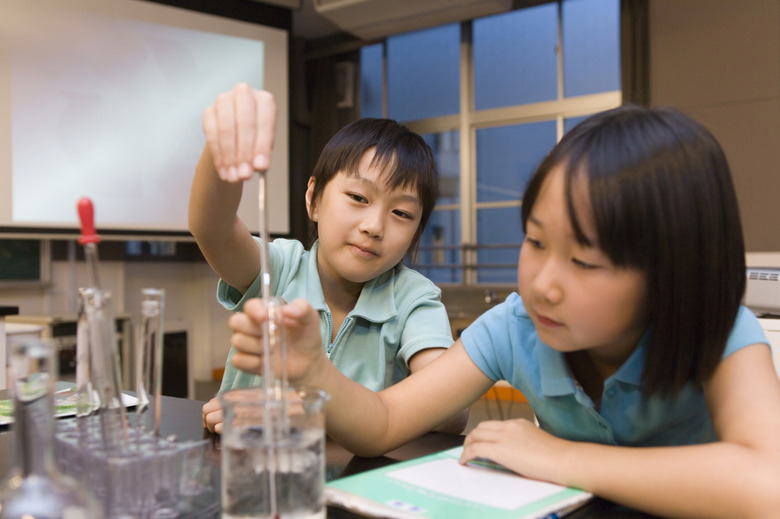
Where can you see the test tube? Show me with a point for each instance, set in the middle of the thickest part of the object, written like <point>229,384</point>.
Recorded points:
<point>149,361</point>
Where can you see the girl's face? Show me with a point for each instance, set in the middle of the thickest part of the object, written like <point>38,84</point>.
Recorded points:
<point>577,299</point>
<point>364,229</point>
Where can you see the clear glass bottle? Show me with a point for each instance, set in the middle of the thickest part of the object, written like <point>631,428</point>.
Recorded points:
<point>35,488</point>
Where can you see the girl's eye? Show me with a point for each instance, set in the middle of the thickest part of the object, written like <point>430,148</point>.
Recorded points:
<point>583,265</point>
<point>536,244</point>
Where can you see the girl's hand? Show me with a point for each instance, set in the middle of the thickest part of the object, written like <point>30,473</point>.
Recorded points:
<point>518,445</point>
<point>239,129</point>
<point>212,415</point>
<point>302,334</point>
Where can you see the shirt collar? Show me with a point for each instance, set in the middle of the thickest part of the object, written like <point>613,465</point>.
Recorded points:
<point>557,380</point>
<point>631,370</point>
<point>314,294</point>
<point>377,299</point>
<point>376,302</point>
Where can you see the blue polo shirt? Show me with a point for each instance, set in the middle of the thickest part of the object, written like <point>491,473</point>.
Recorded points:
<point>398,314</point>
<point>504,344</point>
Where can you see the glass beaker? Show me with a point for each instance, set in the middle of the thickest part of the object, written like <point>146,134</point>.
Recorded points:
<point>273,453</point>
<point>36,487</point>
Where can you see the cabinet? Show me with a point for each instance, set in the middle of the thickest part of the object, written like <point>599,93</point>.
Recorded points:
<point>5,311</point>
<point>62,330</point>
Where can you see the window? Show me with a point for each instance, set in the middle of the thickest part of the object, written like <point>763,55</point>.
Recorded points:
<point>491,97</point>
<point>422,73</point>
<point>514,57</point>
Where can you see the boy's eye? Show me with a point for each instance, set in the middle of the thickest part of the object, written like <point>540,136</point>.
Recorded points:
<point>403,214</point>
<point>356,197</point>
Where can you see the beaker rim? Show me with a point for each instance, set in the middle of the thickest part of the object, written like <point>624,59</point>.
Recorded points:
<point>259,394</point>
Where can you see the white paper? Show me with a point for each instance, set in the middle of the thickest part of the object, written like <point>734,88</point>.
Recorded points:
<point>481,485</point>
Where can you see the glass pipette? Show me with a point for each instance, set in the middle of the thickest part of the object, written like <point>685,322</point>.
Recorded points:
<point>104,360</point>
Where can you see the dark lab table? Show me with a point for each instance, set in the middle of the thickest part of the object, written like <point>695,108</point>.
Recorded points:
<point>182,417</point>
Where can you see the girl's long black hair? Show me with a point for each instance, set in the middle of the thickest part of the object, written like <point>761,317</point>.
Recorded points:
<point>663,202</point>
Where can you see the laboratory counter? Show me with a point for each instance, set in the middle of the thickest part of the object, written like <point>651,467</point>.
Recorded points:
<point>182,417</point>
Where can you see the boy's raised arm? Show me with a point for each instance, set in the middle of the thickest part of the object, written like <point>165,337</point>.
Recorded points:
<point>222,237</point>
<point>239,128</point>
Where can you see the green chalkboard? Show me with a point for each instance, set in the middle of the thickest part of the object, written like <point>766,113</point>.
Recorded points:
<point>20,261</point>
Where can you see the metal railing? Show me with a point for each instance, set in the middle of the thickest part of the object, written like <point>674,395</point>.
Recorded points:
<point>468,251</point>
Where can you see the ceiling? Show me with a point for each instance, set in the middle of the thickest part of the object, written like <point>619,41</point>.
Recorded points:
<point>309,25</point>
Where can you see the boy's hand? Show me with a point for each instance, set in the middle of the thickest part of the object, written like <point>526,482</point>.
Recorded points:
<point>239,129</point>
<point>302,335</point>
<point>212,415</point>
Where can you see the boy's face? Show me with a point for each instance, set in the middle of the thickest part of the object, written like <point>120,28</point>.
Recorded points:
<point>576,297</point>
<point>364,229</point>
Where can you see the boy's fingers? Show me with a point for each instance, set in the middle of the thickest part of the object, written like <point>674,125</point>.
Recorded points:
<point>210,131</point>
<point>240,128</point>
<point>246,128</point>
<point>265,113</point>
<point>211,406</point>
<point>226,130</point>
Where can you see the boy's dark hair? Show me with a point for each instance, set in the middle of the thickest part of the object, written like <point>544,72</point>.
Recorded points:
<point>663,202</point>
<point>405,157</point>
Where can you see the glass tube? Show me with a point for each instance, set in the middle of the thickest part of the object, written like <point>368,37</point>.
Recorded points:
<point>149,360</point>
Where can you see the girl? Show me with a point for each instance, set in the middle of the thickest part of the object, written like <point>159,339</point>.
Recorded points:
<point>370,195</point>
<point>652,386</point>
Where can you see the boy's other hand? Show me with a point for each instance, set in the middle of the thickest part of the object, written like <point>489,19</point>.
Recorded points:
<point>239,128</point>
<point>212,415</point>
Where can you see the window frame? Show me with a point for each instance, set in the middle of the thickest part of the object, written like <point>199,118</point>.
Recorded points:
<point>469,120</point>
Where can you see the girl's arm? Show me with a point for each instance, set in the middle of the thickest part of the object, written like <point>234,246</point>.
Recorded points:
<point>365,422</point>
<point>737,476</point>
<point>239,128</point>
<point>455,424</point>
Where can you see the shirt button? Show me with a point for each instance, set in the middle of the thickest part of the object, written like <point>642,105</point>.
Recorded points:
<point>611,392</point>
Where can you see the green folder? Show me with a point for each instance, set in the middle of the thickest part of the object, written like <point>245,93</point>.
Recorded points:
<point>438,487</point>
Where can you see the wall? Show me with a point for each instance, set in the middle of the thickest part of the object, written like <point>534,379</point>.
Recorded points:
<point>719,62</point>
<point>190,301</point>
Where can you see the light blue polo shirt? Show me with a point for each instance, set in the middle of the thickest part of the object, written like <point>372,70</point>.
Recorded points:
<point>504,344</point>
<point>398,314</point>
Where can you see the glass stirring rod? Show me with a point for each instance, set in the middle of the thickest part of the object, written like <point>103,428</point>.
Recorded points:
<point>273,341</point>
<point>275,416</point>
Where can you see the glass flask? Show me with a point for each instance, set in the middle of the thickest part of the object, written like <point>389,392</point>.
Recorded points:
<point>35,488</point>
